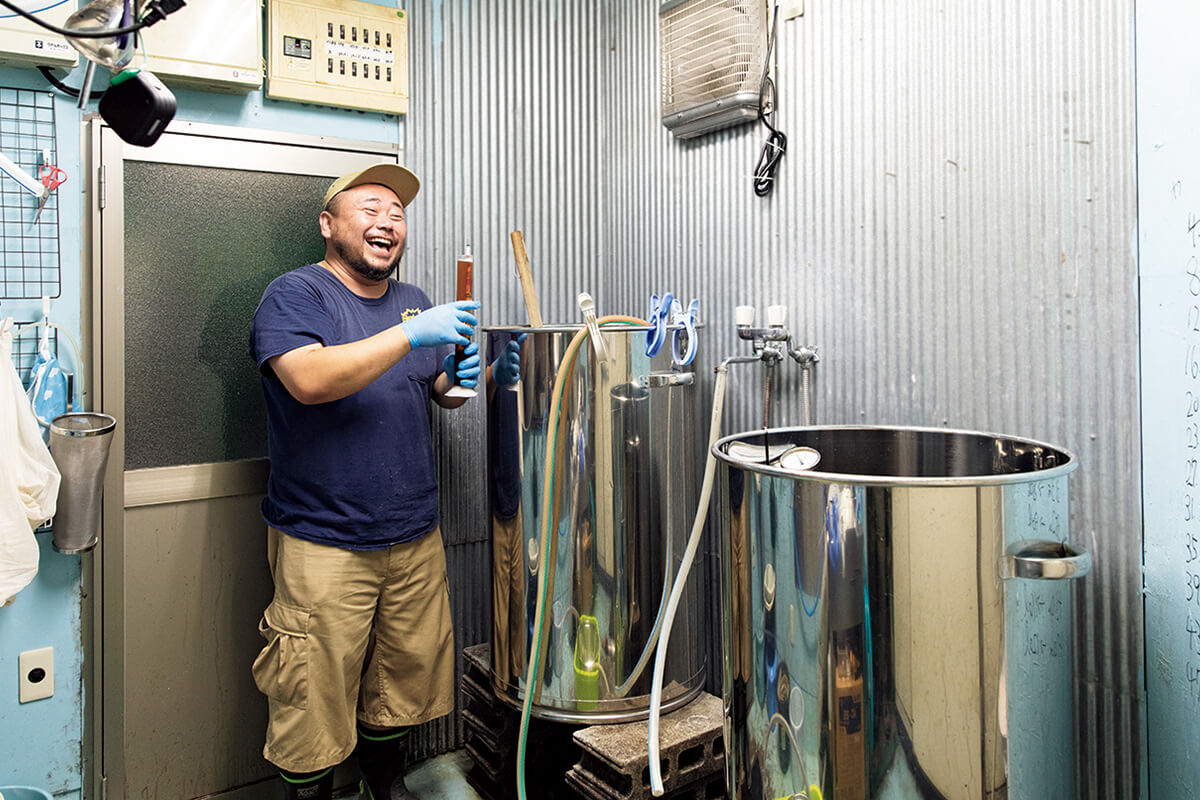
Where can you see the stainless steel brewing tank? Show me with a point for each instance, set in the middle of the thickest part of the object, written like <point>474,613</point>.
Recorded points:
<point>895,623</point>
<point>624,488</point>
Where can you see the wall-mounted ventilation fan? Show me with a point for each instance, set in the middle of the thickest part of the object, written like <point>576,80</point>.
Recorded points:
<point>712,56</point>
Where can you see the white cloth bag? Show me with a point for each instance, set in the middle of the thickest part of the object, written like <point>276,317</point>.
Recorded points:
<point>28,478</point>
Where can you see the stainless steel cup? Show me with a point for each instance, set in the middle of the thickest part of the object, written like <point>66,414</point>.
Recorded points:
<point>79,443</point>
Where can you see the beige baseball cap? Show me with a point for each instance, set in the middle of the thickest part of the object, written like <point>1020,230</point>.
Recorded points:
<point>393,176</point>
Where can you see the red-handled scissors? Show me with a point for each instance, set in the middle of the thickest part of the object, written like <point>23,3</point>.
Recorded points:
<point>52,177</point>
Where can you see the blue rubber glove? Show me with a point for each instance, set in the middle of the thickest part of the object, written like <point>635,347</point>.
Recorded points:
<point>506,369</point>
<point>468,371</point>
<point>449,323</point>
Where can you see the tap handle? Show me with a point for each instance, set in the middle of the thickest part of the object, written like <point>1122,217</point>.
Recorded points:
<point>743,316</point>
<point>776,316</point>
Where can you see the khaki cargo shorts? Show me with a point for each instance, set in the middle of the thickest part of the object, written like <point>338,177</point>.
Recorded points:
<point>352,633</point>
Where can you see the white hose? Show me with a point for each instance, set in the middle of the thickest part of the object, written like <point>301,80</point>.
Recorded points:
<point>660,658</point>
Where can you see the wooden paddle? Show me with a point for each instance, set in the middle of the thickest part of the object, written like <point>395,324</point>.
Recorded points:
<point>526,276</point>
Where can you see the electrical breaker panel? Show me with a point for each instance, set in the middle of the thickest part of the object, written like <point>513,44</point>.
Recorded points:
<point>210,44</point>
<point>22,43</point>
<point>345,53</point>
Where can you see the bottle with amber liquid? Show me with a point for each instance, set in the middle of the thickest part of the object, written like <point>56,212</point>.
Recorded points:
<point>464,290</point>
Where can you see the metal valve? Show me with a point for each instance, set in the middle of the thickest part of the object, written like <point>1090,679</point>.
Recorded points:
<point>771,345</point>
<point>806,355</point>
<point>774,335</point>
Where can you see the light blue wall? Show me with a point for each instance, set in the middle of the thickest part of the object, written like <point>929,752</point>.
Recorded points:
<point>1169,262</point>
<point>40,742</point>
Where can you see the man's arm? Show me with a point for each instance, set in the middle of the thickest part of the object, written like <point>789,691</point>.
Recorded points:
<point>318,373</point>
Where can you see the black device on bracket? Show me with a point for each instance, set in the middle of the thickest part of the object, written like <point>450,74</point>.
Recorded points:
<point>137,106</point>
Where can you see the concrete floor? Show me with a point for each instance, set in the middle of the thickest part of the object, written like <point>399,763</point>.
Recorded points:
<point>440,778</point>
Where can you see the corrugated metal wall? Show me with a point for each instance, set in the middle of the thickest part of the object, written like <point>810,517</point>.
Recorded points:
<point>953,226</point>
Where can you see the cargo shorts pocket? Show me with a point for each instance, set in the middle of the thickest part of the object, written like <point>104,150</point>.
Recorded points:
<point>281,669</point>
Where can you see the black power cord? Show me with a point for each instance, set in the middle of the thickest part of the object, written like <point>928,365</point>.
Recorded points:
<point>62,87</point>
<point>776,144</point>
<point>156,10</point>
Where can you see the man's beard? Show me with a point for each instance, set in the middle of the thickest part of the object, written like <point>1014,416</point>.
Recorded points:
<point>359,265</point>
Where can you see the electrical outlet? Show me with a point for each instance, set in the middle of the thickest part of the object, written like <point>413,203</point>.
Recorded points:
<point>790,9</point>
<point>37,674</point>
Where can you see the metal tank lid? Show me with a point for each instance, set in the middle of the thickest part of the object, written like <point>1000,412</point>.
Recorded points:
<point>905,456</point>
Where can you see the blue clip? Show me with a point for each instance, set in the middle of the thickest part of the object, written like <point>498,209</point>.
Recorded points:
<point>660,310</point>
<point>687,327</point>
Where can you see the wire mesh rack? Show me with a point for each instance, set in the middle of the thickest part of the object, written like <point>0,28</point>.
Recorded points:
<point>31,256</point>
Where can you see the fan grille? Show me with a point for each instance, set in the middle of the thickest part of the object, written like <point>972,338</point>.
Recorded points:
<point>710,49</point>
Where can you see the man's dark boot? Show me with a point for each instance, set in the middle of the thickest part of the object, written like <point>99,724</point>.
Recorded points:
<point>383,758</point>
<point>307,785</point>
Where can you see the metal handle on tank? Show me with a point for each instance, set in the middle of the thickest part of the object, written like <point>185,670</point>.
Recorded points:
<point>1040,559</point>
<point>656,380</point>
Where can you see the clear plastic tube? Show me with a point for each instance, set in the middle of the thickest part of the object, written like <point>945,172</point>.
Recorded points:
<point>464,281</point>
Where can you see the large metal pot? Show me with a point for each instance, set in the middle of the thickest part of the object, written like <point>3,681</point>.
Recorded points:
<point>895,620</point>
<point>623,494</point>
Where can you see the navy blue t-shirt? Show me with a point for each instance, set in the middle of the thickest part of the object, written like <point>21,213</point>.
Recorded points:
<point>358,472</point>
